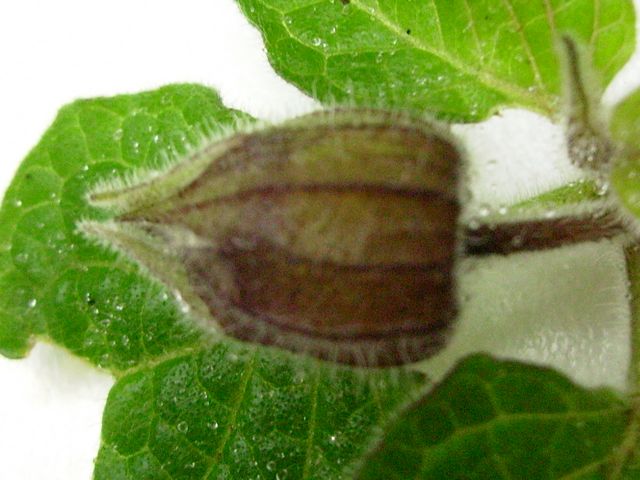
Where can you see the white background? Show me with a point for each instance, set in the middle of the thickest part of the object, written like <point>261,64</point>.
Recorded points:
<point>54,52</point>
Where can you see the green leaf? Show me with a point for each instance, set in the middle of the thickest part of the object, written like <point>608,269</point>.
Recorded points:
<point>492,419</point>
<point>57,285</point>
<point>231,412</point>
<point>183,407</point>
<point>625,180</point>
<point>460,60</point>
<point>625,174</point>
<point>625,122</point>
<point>574,193</point>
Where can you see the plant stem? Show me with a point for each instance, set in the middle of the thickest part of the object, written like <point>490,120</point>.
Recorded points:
<point>541,234</point>
<point>589,147</point>
<point>632,255</point>
<point>628,448</point>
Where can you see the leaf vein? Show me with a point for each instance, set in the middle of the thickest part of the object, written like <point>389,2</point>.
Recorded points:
<point>312,425</point>
<point>525,43</point>
<point>538,97</point>
<point>235,408</point>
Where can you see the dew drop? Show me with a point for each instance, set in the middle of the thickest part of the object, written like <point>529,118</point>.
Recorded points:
<point>32,303</point>
<point>213,425</point>
<point>474,224</point>
<point>232,357</point>
<point>184,306</point>
<point>22,258</point>
<point>484,210</point>
<point>271,465</point>
<point>316,41</point>
<point>17,203</point>
<point>117,135</point>
<point>603,189</point>
<point>299,378</point>
<point>183,427</point>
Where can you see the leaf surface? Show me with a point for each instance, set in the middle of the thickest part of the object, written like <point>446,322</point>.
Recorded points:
<point>625,173</point>
<point>229,412</point>
<point>56,284</point>
<point>625,121</point>
<point>494,419</point>
<point>457,59</point>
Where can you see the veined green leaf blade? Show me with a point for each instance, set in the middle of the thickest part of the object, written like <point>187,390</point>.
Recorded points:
<point>235,412</point>
<point>56,284</point>
<point>459,60</point>
<point>625,122</point>
<point>496,419</point>
<point>625,173</point>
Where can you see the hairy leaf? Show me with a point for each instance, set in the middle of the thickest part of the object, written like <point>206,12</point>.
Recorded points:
<point>625,122</point>
<point>228,413</point>
<point>459,60</point>
<point>56,284</point>
<point>625,174</point>
<point>492,419</point>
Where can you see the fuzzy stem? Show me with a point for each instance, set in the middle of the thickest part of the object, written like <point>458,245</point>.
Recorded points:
<point>540,234</point>
<point>628,448</point>
<point>632,254</point>
<point>588,146</point>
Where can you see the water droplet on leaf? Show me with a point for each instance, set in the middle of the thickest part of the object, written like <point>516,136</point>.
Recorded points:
<point>183,427</point>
